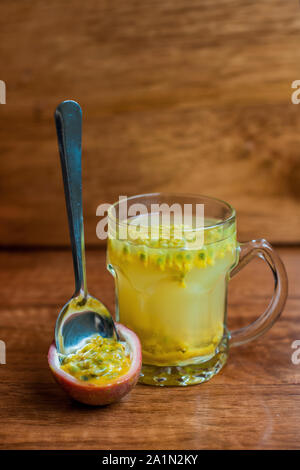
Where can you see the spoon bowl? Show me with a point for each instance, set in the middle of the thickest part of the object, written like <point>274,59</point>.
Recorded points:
<point>83,316</point>
<point>80,319</point>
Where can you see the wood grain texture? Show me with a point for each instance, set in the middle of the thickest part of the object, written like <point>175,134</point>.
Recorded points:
<point>177,96</point>
<point>253,403</point>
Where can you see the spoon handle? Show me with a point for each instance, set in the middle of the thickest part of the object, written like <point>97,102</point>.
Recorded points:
<point>68,119</point>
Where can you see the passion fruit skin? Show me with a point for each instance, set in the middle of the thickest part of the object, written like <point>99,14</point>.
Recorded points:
<point>100,395</point>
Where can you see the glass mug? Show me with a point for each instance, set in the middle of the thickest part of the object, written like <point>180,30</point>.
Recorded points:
<point>173,292</point>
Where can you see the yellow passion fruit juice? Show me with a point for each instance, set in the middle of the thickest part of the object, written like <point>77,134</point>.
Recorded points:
<point>173,293</point>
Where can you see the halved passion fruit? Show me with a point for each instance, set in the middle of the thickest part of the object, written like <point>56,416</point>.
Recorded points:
<point>91,390</point>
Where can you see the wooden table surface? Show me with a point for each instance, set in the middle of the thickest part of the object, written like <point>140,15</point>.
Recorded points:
<point>253,403</point>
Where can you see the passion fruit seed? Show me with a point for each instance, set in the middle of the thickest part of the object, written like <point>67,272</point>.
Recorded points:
<point>174,255</point>
<point>111,355</point>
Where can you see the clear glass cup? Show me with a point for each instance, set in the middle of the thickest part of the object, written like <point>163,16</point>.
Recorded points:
<point>173,292</point>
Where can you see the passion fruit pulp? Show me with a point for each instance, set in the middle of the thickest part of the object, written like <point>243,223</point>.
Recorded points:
<point>105,393</point>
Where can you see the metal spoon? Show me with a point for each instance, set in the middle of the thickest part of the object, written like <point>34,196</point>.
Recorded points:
<point>83,316</point>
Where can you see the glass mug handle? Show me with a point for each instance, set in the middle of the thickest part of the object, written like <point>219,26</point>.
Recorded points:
<point>261,249</point>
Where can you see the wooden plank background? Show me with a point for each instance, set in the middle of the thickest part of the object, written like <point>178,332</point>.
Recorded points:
<point>177,96</point>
